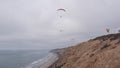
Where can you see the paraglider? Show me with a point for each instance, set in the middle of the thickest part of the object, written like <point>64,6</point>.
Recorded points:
<point>61,10</point>
<point>60,13</point>
<point>107,30</point>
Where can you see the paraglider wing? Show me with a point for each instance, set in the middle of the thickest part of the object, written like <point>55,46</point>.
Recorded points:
<point>61,10</point>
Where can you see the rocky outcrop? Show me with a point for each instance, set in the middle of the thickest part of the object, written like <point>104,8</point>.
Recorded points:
<point>101,52</point>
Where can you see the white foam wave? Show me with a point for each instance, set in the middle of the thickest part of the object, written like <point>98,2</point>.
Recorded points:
<point>43,63</point>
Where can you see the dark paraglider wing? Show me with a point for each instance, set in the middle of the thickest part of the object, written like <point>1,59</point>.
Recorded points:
<point>61,10</point>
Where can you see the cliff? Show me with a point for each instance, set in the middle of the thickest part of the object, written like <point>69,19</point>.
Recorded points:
<point>101,52</point>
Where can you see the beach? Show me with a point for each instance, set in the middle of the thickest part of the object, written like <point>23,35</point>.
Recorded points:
<point>44,62</point>
<point>51,59</point>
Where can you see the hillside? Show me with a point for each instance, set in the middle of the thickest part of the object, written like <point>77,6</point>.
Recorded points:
<point>101,52</point>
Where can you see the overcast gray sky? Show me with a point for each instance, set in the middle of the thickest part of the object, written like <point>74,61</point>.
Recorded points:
<point>35,24</point>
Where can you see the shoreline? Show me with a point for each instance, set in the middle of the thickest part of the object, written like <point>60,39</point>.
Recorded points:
<point>50,61</point>
<point>45,62</point>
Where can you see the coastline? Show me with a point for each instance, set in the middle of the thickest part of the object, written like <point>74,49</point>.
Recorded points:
<point>50,61</point>
<point>56,54</point>
<point>45,62</point>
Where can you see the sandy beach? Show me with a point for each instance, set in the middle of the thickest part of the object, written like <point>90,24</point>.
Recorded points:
<point>50,61</point>
<point>45,62</point>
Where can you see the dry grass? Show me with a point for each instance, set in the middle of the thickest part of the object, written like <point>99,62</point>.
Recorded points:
<point>101,52</point>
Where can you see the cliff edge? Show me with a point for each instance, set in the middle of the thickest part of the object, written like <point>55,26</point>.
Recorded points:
<point>101,52</point>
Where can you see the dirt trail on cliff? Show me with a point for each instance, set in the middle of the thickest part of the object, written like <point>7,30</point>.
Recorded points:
<point>101,52</point>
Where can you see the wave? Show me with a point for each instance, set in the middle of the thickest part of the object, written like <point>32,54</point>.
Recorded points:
<point>44,62</point>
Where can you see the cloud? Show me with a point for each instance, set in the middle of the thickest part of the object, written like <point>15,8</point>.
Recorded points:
<point>37,24</point>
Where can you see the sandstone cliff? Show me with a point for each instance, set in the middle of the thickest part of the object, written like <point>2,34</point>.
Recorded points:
<point>101,52</point>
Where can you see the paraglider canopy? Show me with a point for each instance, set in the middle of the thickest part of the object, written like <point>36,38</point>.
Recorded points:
<point>61,9</point>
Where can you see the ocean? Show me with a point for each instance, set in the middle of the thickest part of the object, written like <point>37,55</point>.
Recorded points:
<point>20,58</point>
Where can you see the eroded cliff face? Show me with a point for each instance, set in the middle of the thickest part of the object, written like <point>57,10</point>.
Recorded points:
<point>101,52</point>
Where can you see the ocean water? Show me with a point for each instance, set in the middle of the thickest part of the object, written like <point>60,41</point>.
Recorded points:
<point>20,58</point>
<point>44,62</point>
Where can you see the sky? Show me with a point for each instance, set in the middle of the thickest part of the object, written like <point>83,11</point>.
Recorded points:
<point>36,24</point>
